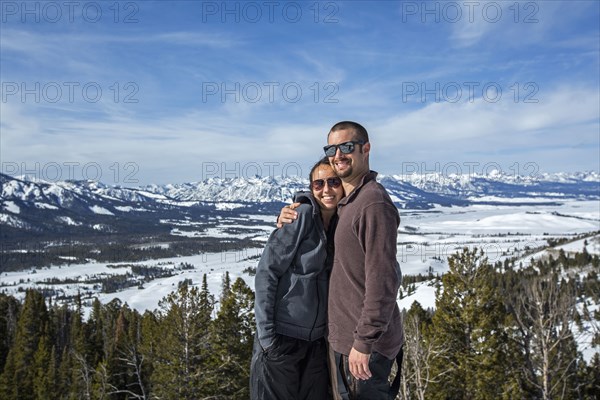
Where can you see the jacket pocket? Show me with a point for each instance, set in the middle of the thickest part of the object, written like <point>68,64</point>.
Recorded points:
<point>282,347</point>
<point>299,305</point>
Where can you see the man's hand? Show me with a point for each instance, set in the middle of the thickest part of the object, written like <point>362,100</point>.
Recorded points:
<point>287,215</point>
<point>359,364</point>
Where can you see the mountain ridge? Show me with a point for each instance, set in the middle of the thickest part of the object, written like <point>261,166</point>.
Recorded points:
<point>83,207</point>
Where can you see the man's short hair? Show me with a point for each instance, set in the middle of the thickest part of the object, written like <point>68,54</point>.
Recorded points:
<point>359,130</point>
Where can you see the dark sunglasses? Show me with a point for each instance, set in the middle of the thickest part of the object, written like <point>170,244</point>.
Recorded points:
<point>319,184</point>
<point>345,148</point>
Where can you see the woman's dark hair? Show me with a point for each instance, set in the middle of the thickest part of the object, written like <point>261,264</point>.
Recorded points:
<point>322,161</point>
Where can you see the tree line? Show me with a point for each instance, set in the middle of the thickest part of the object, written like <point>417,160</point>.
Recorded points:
<point>16,256</point>
<point>191,347</point>
<point>497,332</point>
<point>504,333</point>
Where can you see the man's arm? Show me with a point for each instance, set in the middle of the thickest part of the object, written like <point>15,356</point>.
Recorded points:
<point>377,232</point>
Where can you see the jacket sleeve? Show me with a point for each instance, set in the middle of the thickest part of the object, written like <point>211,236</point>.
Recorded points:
<point>278,255</point>
<point>377,230</point>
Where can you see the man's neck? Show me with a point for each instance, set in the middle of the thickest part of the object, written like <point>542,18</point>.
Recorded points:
<point>351,184</point>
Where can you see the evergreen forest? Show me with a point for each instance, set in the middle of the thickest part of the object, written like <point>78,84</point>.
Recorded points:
<point>499,331</point>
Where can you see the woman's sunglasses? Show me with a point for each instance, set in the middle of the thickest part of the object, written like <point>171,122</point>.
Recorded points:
<point>319,184</point>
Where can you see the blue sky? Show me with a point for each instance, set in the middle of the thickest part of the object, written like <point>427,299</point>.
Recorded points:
<point>139,92</point>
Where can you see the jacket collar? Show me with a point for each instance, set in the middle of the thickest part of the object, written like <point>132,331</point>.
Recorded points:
<point>307,197</point>
<point>369,176</point>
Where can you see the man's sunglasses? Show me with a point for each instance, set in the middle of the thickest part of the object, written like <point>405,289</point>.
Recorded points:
<point>319,184</point>
<point>345,148</point>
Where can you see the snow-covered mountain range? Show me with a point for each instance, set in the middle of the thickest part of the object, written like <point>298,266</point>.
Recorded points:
<point>31,205</point>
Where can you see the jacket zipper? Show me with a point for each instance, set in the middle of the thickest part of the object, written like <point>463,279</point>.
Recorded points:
<point>323,235</point>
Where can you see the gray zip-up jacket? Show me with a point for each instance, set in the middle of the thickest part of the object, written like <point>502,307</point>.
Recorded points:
<point>292,278</point>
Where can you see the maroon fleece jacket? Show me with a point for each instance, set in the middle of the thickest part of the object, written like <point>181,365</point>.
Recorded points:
<point>362,309</point>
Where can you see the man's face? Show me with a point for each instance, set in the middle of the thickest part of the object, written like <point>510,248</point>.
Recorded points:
<point>348,166</point>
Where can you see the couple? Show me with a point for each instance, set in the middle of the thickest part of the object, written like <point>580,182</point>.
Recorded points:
<point>306,290</point>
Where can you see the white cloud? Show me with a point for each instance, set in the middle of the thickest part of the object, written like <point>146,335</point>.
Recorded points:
<point>564,121</point>
<point>173,130</point>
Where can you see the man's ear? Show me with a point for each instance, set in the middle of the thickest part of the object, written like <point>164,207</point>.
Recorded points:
<point>366,147</point>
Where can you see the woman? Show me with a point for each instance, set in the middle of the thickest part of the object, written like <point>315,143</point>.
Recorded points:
<point>290,353</point>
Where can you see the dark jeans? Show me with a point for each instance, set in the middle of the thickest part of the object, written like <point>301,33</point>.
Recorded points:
<point>375,388</point>
<point>291,369</point>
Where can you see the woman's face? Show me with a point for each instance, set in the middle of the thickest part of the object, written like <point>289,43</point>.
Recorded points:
<point>326,187</point>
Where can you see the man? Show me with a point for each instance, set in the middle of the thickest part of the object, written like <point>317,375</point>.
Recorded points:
<point>365,326</point>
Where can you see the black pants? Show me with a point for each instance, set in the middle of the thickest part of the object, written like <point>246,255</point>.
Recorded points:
<point>377,387</point>
<point>291,369</point>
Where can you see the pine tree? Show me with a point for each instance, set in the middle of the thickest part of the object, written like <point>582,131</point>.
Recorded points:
<point>19,376</point>
<point>117,368</point>
<point>83,371</point>
<point>150,339</point>
<point>65,375</point>
<point>225,285</point>
<point>516,383</point>
<point>207,300</point>
<point>544,312</point>
<point>231,339</point>
<point>44,382</point>
<point>95,333</point>
<point>468,323</point>
<point>590,379</point>
<point>9,310</point>
<point>181,350</point>
<point>122,375</point>
<point>138,382</point>
<point>419,352</point>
